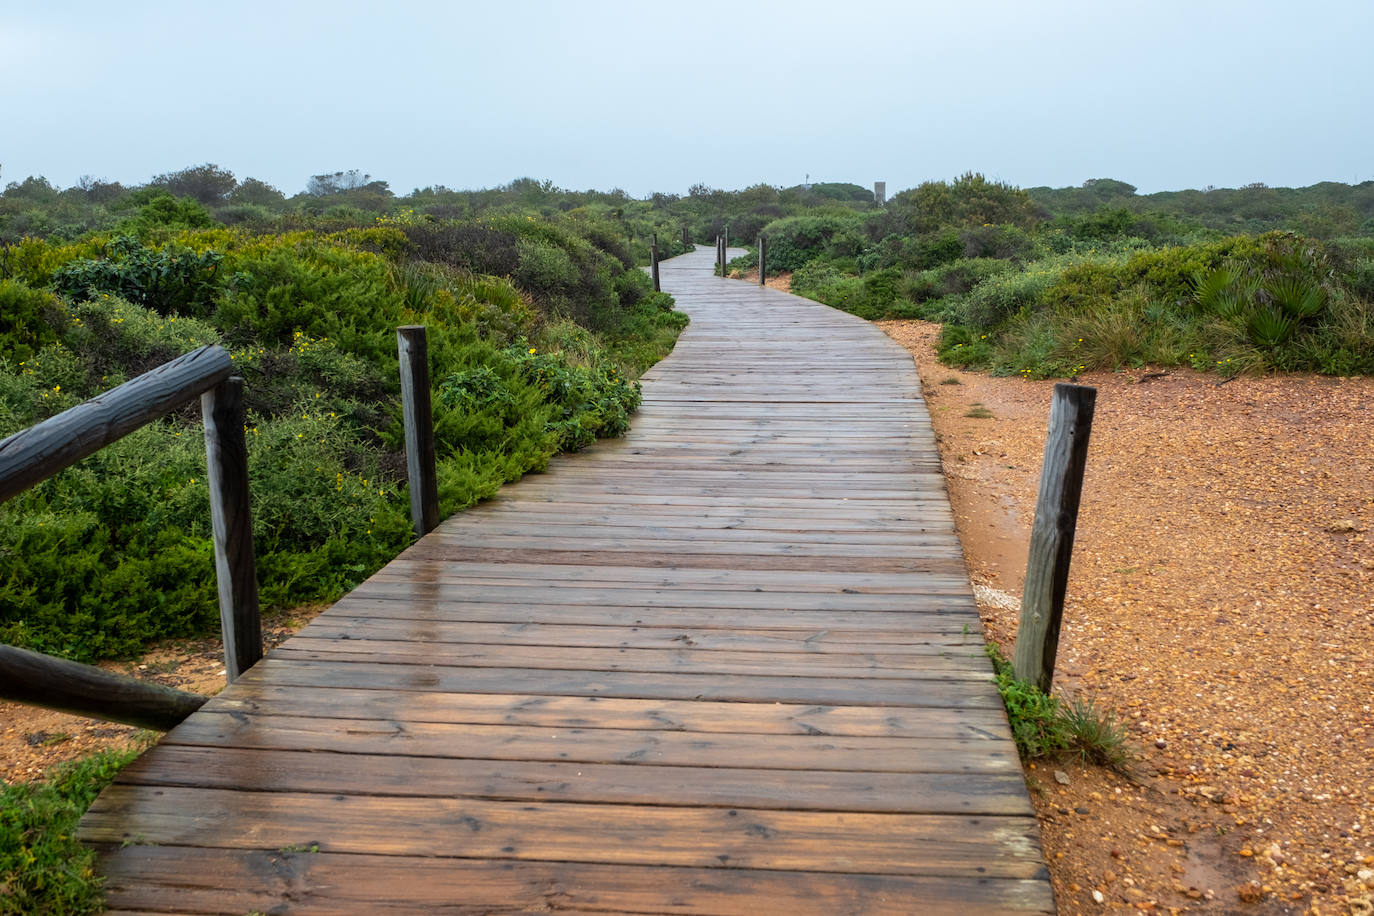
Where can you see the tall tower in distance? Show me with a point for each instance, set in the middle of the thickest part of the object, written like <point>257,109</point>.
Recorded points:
<point>880,193</point>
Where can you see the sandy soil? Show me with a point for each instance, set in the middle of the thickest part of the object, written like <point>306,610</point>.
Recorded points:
<point>1221,599</point>
<point>32,739</point>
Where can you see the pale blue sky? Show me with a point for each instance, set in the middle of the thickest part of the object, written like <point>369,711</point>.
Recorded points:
<point>1164,94</point>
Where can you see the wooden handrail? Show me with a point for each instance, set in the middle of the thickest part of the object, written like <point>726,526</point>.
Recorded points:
<point>84,690</point>
<point>32,455</point>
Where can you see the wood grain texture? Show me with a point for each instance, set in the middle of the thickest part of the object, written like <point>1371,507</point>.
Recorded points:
<point>728,664</point>
<point>236,567</point>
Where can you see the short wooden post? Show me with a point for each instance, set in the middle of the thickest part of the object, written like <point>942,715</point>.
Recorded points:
<point>763,261</point>
<point>686,239</point>
<point>720,267</point>
<point>416,411</point>
<point>236,567</point>
<point>1051,541</point>
<point>653,260</point>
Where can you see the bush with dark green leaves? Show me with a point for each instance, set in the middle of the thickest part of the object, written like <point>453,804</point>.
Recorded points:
<point>44,868</point>
<point>116,551</point>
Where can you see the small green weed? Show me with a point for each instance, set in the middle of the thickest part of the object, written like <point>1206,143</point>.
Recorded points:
<point>301,847</point>
<point>950,381</point>
<point>979,412</point>
<point>45,869</point>
<point>1046,726</point>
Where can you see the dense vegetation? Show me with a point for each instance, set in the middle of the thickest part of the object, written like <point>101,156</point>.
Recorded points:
<point>44,868</point>
<point>1054,282</point>
<point>539,322</point>
<point>538,326</point>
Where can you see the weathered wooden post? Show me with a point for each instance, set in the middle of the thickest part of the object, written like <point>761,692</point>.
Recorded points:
<point>1051,541</point>
<point>763,261</point>
<point>720,252</point>
<point>686,239</point>
<point>236,567</point>
<point>653,260</point>
<point>416,411</point>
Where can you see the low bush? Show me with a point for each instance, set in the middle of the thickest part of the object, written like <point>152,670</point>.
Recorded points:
<point>116,551</point>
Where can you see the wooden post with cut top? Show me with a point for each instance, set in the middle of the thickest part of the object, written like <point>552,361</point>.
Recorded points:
<point>763,260</point>
<point>417,414</point>
<point>653,261</point>
<point>686,240</point>
<point>236,568</point>
<point>1051,541</point>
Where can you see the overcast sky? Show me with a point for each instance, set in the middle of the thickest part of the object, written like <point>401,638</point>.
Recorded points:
<point>654,96</point>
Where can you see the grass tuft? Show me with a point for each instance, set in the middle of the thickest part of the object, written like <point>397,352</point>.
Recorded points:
<point>1048,726</point>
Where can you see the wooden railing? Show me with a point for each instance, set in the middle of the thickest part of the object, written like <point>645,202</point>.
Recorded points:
<point>31,456</point>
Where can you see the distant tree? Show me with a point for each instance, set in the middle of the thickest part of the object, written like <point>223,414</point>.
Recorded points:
<point>259,193</point>
<point>1109,187</point>
<point>209,184</point>
<point>97,190</point>
<point>342,182</point>
<point>969,200</point>
<point>34,188</point>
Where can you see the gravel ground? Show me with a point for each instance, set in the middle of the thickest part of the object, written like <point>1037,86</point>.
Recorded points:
<point>1221,600</point>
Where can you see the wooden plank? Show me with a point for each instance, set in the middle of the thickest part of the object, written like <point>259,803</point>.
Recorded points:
<point>329,773</point>
<point>802,841</point>
<point>697,715</point>
<point>234,882</point>
<point>598,745</point>
<point>828,691</point>
<point>970,663</point>
<point>815,641</point>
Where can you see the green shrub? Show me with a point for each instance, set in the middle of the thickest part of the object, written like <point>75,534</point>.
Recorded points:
<point>45,869</point>
<point>29,319</point>
<point>1002,295</point>
<point>168,280</point>
<point>797,239</point>
<point>953,279</point>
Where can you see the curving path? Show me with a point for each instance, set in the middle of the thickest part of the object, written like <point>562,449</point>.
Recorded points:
<point>728,664</point>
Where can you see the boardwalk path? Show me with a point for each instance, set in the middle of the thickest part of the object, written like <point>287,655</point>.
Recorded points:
<point>729,664</point>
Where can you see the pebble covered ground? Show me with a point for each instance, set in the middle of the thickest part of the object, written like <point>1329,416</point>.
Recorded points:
<point>1221,601</point>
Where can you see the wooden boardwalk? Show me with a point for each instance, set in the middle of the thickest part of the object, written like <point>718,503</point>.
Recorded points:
<point>728,664</point>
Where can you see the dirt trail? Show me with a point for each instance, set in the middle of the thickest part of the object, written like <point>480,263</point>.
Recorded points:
<point>1221,598</point>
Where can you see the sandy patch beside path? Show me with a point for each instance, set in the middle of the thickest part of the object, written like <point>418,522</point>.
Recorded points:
<point>1221,597</point>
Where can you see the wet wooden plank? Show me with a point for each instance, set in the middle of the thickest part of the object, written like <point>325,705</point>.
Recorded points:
<point>771,718</point>
<point>696,837</point>
<point>240,881</point>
